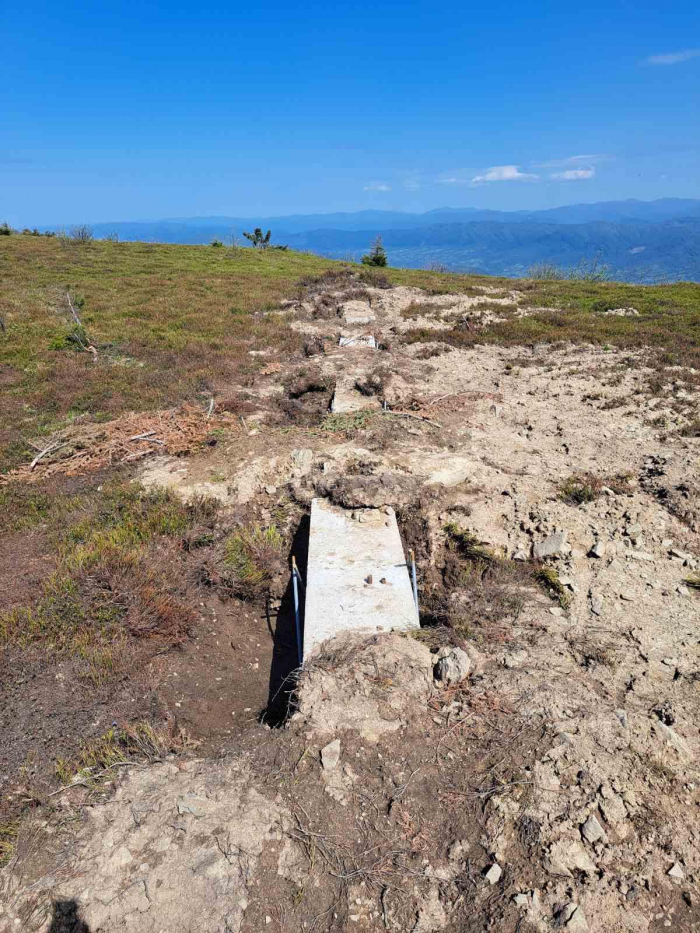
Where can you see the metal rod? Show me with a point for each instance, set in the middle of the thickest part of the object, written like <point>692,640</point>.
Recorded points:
<point>296,608</point>
<point>296,570</point>
<point>415,584</point>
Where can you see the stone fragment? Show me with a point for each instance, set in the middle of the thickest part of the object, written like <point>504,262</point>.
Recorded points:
<point>190,804</point>
<point>591,830</point>
<point>627,596</point>
<point>576,919</point>
<point>613,810</point>
<point>598,549</point>
<point>622,717</point>
<point>569,855</point>
<point>676,872</point>
<point>550,546</point>
<point>493,875</point>
<point>641,555</point>
<point>458,850</point>
<point>520,900</point>
<point>301,461</point>
<point>520,555</point>
<point>330,755</point>
<point>514,659</point>
<point>596,605</point>
<point>453,667</point>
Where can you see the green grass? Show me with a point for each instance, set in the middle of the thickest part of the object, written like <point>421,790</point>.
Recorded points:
<point>580,488</point>
<point>170,322</point>
<point>467,546</point>
<point>9,831</point>
<point>113,576</point>
<point>349,422</point>
<point>548,579</point>
<point>160,316</point>
<point>668,321</point>
<point>137,741</point>
<point>251,556</point>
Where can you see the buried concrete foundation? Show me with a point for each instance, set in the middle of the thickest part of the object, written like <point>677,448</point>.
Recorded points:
<point>357,578</point>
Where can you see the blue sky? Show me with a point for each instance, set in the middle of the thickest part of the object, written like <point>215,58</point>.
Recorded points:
<point>127,111</point>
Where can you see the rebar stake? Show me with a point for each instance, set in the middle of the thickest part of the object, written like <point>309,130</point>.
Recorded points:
<point>296,607</point>
<point>414,582</point>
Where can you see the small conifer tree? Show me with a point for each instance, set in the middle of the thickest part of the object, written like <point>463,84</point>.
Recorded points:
<point>259,239</point>
<point>377,255</point>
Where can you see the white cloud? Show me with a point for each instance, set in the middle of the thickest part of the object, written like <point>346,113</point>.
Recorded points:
<point>673,58</point>
<point>573,161</point>
<point>451,181</point>
<point>574,174</point>
<point>377,186</point>
<point>504,173</point>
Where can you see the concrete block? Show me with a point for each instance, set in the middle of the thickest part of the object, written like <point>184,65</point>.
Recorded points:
<point>346,399</point>
<point>359,340</point>
<point>346,550</point>
<point>357,312</point>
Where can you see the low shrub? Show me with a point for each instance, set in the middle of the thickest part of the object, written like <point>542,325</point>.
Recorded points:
<point>252,557</point>
<point>580,488</point>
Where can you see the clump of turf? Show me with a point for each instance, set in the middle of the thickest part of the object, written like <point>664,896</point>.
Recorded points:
<point>252,557</point>
<point>580,488</point>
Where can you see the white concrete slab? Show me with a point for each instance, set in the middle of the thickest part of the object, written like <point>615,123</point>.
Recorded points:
<point>357,312</point>
<point>344,551</point>
<point>359,340</point>
<point>346,399</point>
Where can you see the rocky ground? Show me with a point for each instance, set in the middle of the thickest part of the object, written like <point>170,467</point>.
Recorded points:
<point>530,761</point>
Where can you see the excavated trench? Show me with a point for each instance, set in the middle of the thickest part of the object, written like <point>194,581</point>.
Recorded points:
<point>550,782</point>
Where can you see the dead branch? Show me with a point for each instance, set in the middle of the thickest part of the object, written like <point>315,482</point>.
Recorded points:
<point>86,781</point>
<point>73,311</point>
<point>54,445</point>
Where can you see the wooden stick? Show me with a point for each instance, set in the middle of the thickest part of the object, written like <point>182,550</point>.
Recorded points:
<point>86,781</point>
<point>142,437</point>
<point>73,311</point>
<point>54,445</point>
<point>211,408</point>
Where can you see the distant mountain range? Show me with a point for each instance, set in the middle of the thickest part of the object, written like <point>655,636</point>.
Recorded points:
<point>637,240</point>
<point>634,251</point>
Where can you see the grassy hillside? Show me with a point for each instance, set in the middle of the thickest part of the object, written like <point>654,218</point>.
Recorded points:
<point>109,590</point>
<point>173,323</point>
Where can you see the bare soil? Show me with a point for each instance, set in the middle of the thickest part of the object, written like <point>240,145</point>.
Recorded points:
<point>556,785</point>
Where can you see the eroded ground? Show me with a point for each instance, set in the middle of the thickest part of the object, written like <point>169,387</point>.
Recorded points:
<point>550,779</point>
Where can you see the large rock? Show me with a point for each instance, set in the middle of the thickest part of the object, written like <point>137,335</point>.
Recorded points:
<point>551,546</point>
<point>453,667</point>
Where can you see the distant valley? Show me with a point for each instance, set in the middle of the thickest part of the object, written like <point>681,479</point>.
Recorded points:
<point>639,241</point>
